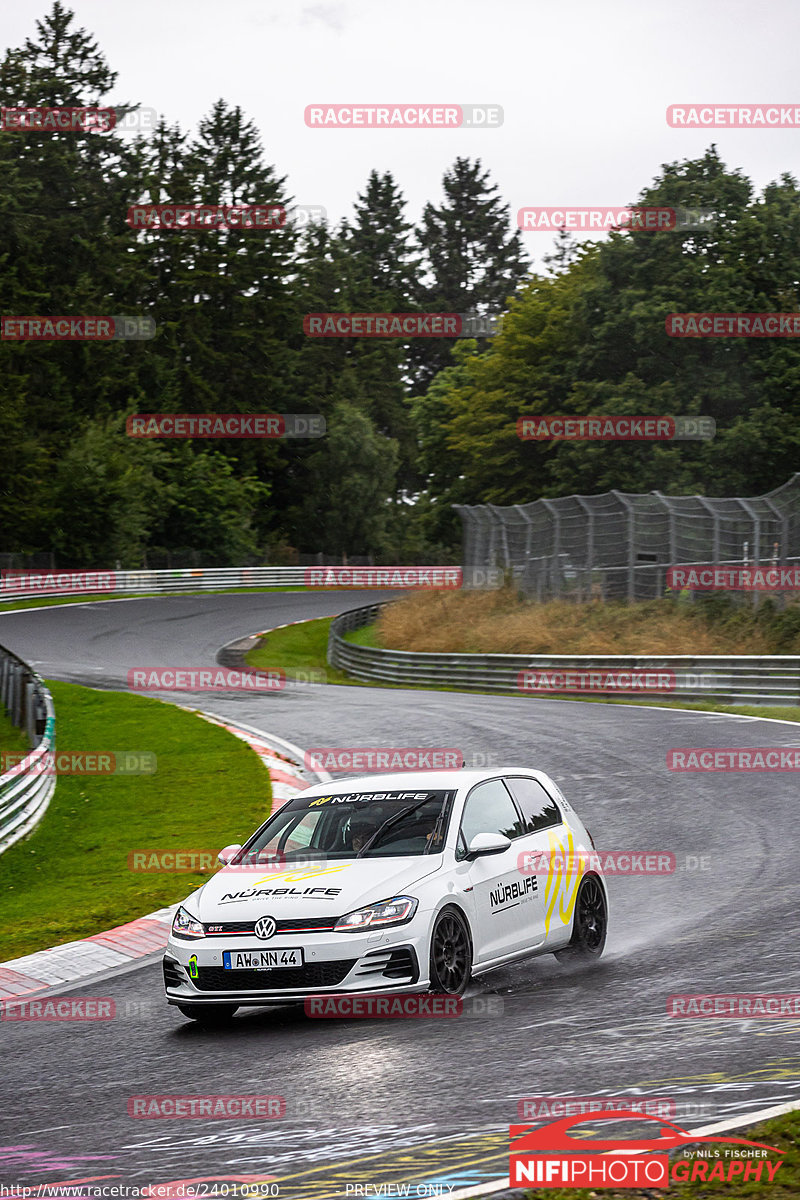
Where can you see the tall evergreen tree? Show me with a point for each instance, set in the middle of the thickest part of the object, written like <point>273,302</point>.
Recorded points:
<point>63,250</point>
<point>472,261</point>
<point>382,267</point>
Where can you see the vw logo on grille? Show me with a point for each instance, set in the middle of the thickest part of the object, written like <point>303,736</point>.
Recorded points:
<point>264,928</point>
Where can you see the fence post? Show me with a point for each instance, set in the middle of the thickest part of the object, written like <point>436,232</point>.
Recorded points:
<point>555,581</point>
<point>626,504</point>
<point>756,540</point>
<point>589,545</point>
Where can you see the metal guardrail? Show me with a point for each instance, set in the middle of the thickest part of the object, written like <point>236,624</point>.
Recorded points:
<point>26,790</point>
<point>740,679</point>
<point>25,585</point>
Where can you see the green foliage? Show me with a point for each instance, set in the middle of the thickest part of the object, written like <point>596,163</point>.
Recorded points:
<point>355,470</point>
<point>590,338</point>
<point>413,427</point>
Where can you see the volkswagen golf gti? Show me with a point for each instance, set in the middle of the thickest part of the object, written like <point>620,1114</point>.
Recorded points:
<point>389,883</point>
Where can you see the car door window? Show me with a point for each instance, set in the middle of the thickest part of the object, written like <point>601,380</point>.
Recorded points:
<point>489,809</point>
<point>538,807</point>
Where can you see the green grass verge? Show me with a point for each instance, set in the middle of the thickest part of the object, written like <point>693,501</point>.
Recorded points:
<point>303,648</point>
<point>300,651</point>
<point>12,740</point>
<point>783,1133</point>
<point>70,878</point>
<point>367,635</point>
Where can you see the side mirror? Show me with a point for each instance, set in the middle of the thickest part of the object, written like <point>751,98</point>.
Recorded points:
<point>227,853</point>
<point>488,843</point>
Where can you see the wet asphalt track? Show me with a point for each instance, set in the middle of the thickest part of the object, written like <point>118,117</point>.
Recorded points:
<point>383,1102</point>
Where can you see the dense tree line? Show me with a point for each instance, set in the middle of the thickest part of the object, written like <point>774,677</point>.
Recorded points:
<point>412,427</point>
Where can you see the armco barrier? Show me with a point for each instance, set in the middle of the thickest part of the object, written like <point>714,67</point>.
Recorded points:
<point>25,792</point>
<point>114,583</point>
<point>34,583</point>
<point>741,679</point>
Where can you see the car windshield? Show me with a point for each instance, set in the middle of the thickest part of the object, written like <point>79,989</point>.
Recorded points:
<point>355,825</point>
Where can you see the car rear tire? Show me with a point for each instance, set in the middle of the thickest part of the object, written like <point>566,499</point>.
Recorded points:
<point>590,923</point>
<point>451,953</point>
<point>208,1014</point>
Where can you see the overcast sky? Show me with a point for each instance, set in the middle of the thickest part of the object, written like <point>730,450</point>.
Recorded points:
<point>584,85</point>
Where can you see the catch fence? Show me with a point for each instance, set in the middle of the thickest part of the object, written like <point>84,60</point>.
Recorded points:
<point>619,545</point>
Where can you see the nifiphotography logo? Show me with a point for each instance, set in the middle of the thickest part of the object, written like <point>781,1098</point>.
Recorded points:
<point>552,1156</point>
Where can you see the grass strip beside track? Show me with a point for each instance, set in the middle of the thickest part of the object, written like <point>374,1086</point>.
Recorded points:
<point>303,647</point>
<point>71,878</point>
<point>504,622</point>
<point>297,649</point>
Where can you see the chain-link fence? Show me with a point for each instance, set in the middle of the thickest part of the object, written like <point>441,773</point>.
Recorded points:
<point>619,545</point>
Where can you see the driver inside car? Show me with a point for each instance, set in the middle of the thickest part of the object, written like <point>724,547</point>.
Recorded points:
<point>360,833</point>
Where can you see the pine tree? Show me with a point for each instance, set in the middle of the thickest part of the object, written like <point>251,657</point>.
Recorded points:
<point>472,261</point>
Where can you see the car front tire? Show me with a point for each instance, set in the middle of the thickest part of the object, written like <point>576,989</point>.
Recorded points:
<point>451,953</point>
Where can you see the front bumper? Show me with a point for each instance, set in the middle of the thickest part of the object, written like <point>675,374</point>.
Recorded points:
<point>344,963</point>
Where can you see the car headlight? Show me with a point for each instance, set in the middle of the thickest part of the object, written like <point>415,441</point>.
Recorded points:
<point>386,912</point>
<point>185,926</point>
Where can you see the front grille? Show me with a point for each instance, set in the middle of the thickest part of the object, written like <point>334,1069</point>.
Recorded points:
<point>247,928</point>
<point>312,975</point>
<point>172,976</point>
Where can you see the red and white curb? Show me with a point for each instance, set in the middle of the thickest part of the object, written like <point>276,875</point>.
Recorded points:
<point>73,961</point>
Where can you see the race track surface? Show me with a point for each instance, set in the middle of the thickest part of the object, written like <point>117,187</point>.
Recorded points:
<point>430,1101</point>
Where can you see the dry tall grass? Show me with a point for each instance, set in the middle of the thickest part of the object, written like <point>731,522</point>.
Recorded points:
<point>497,622</point>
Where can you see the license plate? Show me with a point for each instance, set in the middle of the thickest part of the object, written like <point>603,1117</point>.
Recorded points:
<point>261,960</point>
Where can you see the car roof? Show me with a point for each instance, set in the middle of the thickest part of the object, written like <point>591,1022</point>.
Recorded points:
<point>416,781</point>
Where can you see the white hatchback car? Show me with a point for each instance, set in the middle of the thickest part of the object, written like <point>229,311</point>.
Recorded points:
<point>389,883</point>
